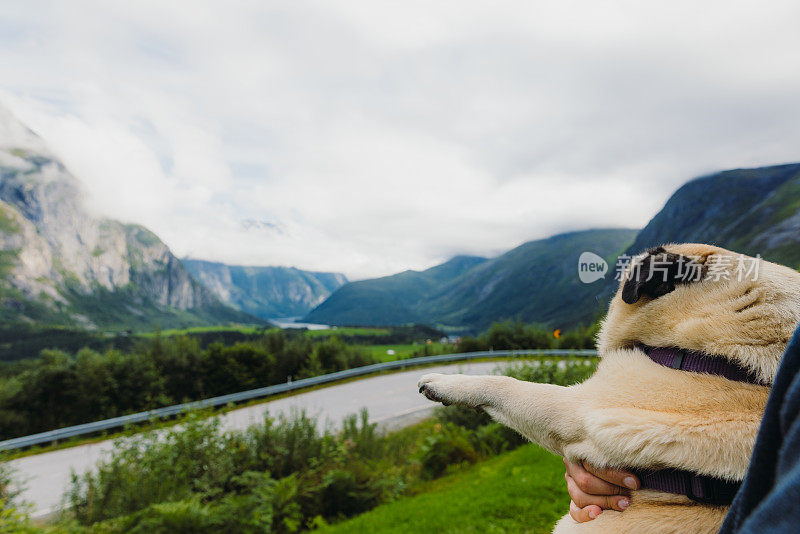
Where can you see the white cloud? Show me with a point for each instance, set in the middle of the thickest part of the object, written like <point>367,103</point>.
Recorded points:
<point>377,136</point>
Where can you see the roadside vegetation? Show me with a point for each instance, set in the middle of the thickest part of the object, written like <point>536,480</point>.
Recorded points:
<point>517,335</point>
<point>68,386</point>
<point>58,389</point>
<point>518,491</point>
<point>287,475</point>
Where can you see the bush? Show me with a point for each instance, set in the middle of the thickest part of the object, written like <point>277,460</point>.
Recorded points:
<point>496,438</point>
<point>157,466</point>
<point>450,444</point>
<point>13,514</point>
<point>462,416</point>
<point>517,336</point>
<point>180,517</point>
<point>195,479</point>
<point>551,371</point>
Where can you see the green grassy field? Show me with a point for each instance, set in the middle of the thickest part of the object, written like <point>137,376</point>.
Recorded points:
<point>380,352</point>
<point>244,329</point>
<point>254,329</point>
<point>348,331</point>
<point>520,491</point>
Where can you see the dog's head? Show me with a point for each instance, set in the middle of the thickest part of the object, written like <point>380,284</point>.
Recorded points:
<point>705,298</point>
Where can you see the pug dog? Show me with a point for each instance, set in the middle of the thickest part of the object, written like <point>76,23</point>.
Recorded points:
<point>688,350</point>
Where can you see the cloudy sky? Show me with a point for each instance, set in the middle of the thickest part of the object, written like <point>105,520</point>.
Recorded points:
<point>370,137</point>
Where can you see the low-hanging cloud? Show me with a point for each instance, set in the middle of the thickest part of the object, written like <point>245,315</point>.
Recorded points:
<point>371,137</point>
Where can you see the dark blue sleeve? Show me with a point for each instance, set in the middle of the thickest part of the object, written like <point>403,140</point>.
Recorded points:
<point>769,499</point>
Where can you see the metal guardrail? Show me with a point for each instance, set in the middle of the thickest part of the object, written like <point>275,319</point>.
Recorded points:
<point>140,417</point>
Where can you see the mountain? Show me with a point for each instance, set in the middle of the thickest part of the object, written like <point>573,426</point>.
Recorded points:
<point>266,292</point>
<point>752,211</point>
<point>391,300</point>
<point>535,282</point>
<point>61,265</point>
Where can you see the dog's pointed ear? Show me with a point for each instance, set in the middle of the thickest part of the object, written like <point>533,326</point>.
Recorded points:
<point>657,274</point>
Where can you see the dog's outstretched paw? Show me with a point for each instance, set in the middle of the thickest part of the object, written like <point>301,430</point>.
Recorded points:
<point>439,388</point>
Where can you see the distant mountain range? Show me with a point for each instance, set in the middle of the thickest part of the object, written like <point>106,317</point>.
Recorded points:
<point>754,211</point>
<point>535,282</point>
<point>59,265</point>
<point>266,292</point>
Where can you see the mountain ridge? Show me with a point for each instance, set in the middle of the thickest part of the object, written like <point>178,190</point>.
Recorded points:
<point>265,291</point>
<point>394,298</point>
<point>61,265</point>
<point>749,210</point>
<point>481,293</point>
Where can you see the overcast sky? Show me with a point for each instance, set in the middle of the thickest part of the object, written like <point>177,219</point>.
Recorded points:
<point>371,137</point>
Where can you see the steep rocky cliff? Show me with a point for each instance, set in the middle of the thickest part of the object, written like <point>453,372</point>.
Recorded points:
<point>267,292</point>
<point>60,264</point>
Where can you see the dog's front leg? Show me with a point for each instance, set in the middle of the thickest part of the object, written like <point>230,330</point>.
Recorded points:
<point>543,413</point>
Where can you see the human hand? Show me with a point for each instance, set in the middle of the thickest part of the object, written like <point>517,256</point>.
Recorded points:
<point>593,490</point>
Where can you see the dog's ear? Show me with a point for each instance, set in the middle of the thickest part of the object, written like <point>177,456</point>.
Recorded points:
<point>657,274</point>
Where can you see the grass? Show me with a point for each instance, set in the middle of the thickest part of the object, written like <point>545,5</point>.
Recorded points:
<point>255,329</point>
<point>244,329</point>
<point>401,352</point>
<point>520,491</point>
<point>349,331</point>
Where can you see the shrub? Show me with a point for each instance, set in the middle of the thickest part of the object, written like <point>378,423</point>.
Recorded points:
<point>496,438</point>
<point>157,466</point>
<point>449,445</point>
<point>563,372</point>
<point>180,517</point>
<point>284,446</point>
<point>13,516</point>
<point>517,335</point>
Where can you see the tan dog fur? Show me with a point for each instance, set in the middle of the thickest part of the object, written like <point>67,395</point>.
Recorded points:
<point>635,413</point>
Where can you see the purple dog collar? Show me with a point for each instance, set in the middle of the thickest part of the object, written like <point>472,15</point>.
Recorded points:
<point>699,362</point>
<point>700,488</point>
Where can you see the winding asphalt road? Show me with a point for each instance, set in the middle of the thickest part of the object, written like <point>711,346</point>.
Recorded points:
<point>392,401</point>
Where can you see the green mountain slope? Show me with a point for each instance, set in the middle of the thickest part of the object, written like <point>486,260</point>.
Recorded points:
<point>535,282</point>
<point>266,292</point>
<point>391,300</point>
